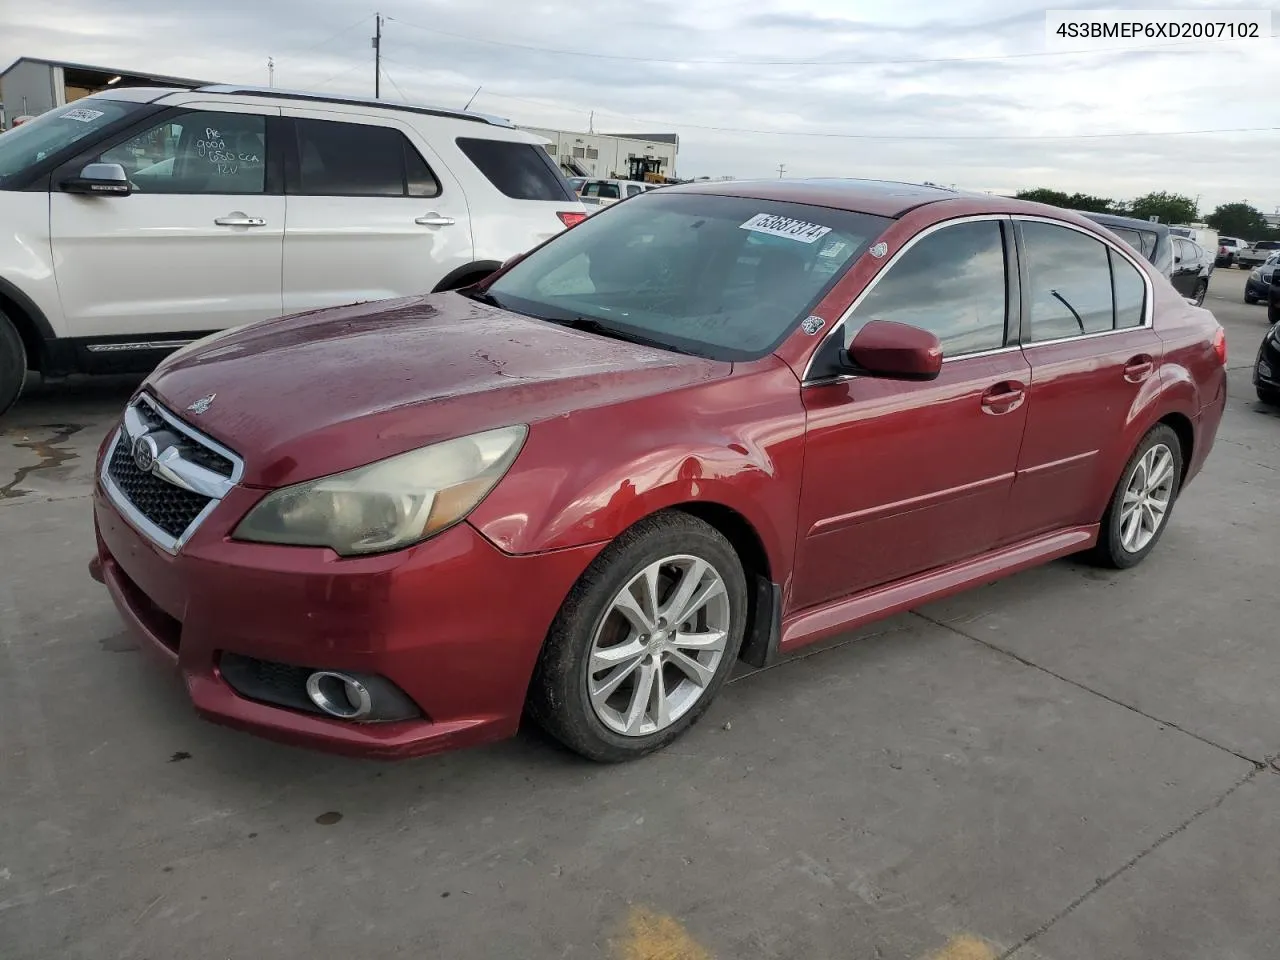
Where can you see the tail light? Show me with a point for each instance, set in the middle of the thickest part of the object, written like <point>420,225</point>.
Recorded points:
<point>1220,346</point>
<point>571,218</point>
<point>1222,250</point>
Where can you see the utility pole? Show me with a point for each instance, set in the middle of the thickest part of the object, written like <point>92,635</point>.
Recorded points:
<point>271,72</point>
<point>782,168</point>
<point>377,58</point>
<point>591,122</point>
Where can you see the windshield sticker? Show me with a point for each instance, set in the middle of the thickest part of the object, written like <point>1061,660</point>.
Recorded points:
<point>785,227</point>
<point>833,249</point>
<point>879,250</point>
<point>83,114</point>
<point>812,325</point>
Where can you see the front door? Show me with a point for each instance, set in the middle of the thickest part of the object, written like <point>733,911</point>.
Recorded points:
<point>1088,338</point>
<point>372,212</point>
<point>902,477</point>
<point>196,247</point>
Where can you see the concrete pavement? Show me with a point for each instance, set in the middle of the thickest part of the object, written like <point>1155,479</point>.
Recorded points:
<point>1067,764</point>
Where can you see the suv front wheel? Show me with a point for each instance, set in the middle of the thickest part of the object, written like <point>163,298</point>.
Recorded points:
<point>13,363</point>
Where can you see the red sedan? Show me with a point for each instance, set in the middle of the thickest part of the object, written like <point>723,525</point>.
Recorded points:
<point>716,422</point>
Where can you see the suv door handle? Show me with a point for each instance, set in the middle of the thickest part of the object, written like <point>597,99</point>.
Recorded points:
<point>434,219</point>
<point>1139,368</point>
<point>1003,397</point>
<point>238,219</point>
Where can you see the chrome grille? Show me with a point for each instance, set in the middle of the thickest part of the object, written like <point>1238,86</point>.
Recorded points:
<point>188,473</point>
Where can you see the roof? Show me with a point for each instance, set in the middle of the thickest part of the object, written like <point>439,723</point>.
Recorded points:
<point>184,82</point>
<point>884,198</point>
<point>311,95</point>
<point>673,138</point>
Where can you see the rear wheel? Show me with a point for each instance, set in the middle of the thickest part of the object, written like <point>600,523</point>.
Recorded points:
<point>644,641</point>
<point>1143,499</point>
<point>13,363</point>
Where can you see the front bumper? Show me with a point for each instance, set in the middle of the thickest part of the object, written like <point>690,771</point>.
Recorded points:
<point>455,623</point>
<point>1257,289</point>
<point>1266,368</point>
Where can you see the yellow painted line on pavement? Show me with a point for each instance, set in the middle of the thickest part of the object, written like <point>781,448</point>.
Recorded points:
<point>965,947</point>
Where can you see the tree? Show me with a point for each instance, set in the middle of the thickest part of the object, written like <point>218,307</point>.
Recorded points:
<point>1239,220</point>
<point>1071,201</point>
<point>1169,207</point>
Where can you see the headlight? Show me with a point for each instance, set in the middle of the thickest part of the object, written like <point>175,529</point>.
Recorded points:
<point>1256,275</point>
<point>389,504</point>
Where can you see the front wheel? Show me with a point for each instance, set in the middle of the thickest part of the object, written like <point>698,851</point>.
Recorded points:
<point>1268,396</point>
<point>1250,299</point>
<point>13,364</point>
<point>1143,499</point>
<point>644,641</point>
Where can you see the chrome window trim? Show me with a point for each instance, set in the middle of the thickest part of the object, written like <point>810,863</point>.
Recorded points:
<point>173,469</point>
<point>889,265</point>
<point>1148,307</point>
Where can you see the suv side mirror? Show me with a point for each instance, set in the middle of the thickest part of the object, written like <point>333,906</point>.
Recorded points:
<point>100,179</point>
<point>895,351</point>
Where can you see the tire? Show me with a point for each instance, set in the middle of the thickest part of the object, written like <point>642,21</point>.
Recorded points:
<point>1270,397</point>
<point>1114,549</point>
<point>1251,300</point>
<point>1200,292</point>
<point>13,364</point>
<point>559,696</point>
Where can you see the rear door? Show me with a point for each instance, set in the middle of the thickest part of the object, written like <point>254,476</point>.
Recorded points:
<point>1086,332</point>
<point>1186,266</point>
<point>197,245</point>
<point>901,477</point>
<point>372,213</point>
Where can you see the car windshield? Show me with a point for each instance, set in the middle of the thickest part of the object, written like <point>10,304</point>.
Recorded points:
<point>721,277</point>
<point>54,131</point>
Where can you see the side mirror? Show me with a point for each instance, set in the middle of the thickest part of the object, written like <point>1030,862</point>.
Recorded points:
<point>895,351</point>
<point>100,179</point>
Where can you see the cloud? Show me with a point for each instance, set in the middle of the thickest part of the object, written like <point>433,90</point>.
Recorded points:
<point>318,44</point>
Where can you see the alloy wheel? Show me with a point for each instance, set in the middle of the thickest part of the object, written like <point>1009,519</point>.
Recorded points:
<point>1147,498</point>
<point>658,646</point>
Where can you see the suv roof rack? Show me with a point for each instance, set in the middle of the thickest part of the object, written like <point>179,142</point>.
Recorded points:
<point>234,89</point>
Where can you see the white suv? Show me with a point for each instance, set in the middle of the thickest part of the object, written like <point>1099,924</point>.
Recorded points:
<point>138,220</point>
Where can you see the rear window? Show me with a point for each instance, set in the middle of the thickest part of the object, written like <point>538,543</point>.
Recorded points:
<point>609,191</point>
<point>522,171</point>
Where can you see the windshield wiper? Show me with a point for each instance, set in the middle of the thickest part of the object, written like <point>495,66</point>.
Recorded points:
<point>592,325</point>
<point>484,296</point>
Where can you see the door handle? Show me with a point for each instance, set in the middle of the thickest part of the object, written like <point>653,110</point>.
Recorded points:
<point>1003,397</point>
<point>240,220</point>
<point>1139,368</point>
<point>434,219</point>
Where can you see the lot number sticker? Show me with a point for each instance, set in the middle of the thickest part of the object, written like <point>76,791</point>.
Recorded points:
<point>785,227</point>
<point>82,114</point>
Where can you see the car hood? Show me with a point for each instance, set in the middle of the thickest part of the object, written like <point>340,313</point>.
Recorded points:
<point>314,394</point>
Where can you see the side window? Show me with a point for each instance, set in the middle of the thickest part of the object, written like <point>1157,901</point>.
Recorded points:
<point>1070,282</point>
<point>519,170</point>
<point>634,191</point>
<point>951,283</point>
<point>199,152</point>
<point>1130,292</point>
<point>359,160</point>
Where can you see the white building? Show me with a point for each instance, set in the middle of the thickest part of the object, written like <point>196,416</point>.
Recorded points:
<point>629,156</point>
<point>29,86</point>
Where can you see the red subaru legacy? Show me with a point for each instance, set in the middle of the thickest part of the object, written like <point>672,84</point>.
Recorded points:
<point>714,423</point>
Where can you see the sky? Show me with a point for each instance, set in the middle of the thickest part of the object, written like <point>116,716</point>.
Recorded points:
<point>935,114</point>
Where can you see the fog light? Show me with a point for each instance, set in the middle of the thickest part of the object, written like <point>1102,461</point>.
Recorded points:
<point>339,695</point>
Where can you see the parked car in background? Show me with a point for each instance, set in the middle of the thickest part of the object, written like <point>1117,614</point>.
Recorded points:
<point>1266,367</point>
<point>1228,247</point>
<point>1152,240</point>
<point>1205,236</point>
<point>137,220</point>
<point>1192,267</point>
<point>1256,253</point>
<point>1258,286</point>
<point>604,193</point>
<point>651,436</point>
